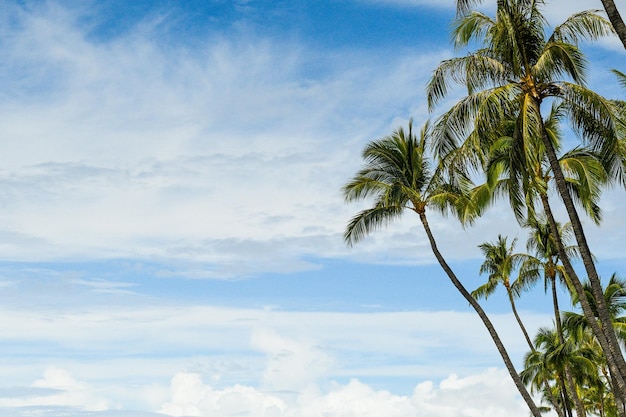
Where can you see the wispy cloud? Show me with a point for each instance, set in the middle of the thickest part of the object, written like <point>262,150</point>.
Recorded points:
<point>230,153</point>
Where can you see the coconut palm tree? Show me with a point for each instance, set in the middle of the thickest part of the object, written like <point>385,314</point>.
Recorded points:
<point>398,176</point>
<point>516,70</point>
<point>500,263</point>
<point>542,259</point>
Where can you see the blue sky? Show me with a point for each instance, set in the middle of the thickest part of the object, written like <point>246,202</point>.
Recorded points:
<point>172,216</point>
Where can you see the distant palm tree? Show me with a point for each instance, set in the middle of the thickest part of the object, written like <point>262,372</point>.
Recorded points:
<point>578,326</point>
<point>398,176</point>
<point>557,361</point>
<point>615,298</point>
<point>500,263</point>
<point>543,260</point>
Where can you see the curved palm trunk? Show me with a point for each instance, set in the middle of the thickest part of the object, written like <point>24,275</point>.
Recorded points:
<point>519,320</point>
<point>532,348</point>
<point>483,316</point>
<point>586,307</point>
<point>616,20</point>
<point>609,342</point>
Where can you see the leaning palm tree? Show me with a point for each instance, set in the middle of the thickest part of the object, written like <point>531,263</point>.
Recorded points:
<point>398,176</point>
<point>543,260</point>
<point>500,263</point>
<point>517,69</point>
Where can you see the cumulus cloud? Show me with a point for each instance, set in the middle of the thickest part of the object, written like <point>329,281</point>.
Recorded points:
<point>190,397</point>
<point>489,393</point>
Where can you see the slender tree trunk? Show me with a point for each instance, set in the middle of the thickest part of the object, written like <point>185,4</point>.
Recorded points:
<point>564,397</point>
<point>611,345</point>
<point>569,380</point>
<point>586,307</point>
<point>616,20</point>
<point>546,385</point>
<point>571,388</point>
<point>555,306</point>
<point>485,319</point>
<point>519,320</point>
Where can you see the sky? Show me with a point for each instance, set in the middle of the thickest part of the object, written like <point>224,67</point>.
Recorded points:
<point>171,215</point>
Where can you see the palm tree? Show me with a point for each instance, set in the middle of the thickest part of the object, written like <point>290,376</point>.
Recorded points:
<point>543,259</point>
<point>558,361</point>
<point>512,75</point>
<point>399,177</point>
<point>500,263</point>
<point>615,298</point>
<point>463,6</point>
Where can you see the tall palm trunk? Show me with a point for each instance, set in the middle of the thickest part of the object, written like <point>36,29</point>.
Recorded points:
<point>611,346</point>
<point>586,307</point>
<point>606,325</point>
<point>616,20</point>
<point>483,316</point>
<point>564,397</point>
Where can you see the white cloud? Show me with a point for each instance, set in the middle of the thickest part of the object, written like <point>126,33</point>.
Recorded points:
<point>137,150</point>
<point>486,394</point>
<point>190,397</point>
<point>141,150</point>
<point>57,388</point>
<point>292,364</point>
<point>272,349</point>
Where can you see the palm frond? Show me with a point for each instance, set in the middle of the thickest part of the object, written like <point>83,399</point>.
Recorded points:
<point>621,77</point>
<point>473,25</point>
<point>559,60</point>
<point>585,25</point>
<point>369,220</point>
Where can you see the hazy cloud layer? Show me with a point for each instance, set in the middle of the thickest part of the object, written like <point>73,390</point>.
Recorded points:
<point>133,148</point>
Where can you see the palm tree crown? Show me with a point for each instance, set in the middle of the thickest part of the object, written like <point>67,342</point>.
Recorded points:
<point>398,176</point>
